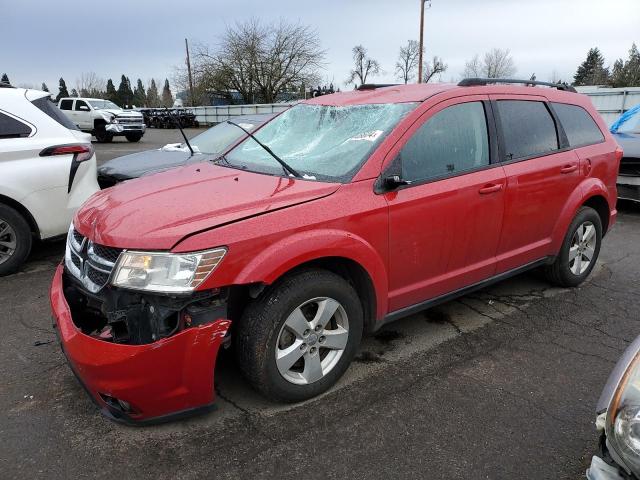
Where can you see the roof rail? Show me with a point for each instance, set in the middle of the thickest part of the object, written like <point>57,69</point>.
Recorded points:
<point>472,82</point>
<point>373,86</point>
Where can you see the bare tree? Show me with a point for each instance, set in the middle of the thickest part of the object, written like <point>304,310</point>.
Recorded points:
<point>259,61</point>
<point>364,66</point>
<point>497,63</point>
<point>435,67</point>
<point>408,61</point>
<point>90,85</point>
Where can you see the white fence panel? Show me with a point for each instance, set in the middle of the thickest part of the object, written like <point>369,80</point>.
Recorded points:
<point>612,102</point>
<point>210,115</point>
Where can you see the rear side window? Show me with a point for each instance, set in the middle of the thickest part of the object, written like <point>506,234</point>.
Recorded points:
<point>12,128</point>
<point>50,108</point>
<point>579,126</point>
<point>528,129</point>
<point>453,140</point>
<point>66,104</point>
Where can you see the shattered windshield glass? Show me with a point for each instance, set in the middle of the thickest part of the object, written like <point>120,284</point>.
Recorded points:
<point>322,142</point>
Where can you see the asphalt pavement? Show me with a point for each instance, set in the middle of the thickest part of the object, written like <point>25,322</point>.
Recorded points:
<point>498,384</point>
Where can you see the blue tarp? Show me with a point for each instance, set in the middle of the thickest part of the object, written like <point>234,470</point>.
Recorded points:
<point>623,118</point>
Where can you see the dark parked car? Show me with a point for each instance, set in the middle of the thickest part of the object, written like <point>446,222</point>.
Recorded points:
<point>626,131</point>
<point>212,142</point>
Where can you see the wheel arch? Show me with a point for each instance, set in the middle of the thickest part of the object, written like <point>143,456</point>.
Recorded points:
<point>601,206</point>
<point>22,210</point>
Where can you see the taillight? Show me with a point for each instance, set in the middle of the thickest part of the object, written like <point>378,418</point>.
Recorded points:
<point>82,151</point>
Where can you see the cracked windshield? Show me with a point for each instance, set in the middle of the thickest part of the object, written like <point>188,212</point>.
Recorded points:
<point>321,142</point>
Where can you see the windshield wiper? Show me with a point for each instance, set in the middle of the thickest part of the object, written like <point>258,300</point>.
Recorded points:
<point>284,164</point>
<point>177,122</point>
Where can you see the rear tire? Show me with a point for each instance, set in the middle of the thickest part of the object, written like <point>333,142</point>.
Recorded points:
<point>579,251</point>
<point>314,318</point>
<point>15,240</point>
<point>133,137</point>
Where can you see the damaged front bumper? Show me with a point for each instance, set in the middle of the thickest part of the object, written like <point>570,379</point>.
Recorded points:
<point>142,383</point>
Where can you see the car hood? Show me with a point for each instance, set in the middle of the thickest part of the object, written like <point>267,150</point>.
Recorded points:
<point>158,211</point>
<point>630,143</point>
<point>144,163</point>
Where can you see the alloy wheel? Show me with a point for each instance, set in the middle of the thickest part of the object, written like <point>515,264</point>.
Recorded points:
<point>312,340</point>
<point>8,241</point>
<point>583,247</point>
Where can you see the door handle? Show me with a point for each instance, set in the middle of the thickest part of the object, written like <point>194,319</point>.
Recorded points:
<point>572,167</point>
<point>490,188</point>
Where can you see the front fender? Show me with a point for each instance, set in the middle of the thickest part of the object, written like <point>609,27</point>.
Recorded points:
<point>297,249</point>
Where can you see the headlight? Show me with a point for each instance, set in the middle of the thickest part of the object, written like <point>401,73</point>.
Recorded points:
<point>114,120</point>
<point>623,418</point>
<point>165,272</point>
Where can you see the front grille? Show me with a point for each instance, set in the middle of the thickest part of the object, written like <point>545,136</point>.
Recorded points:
<point>89,262</point>
<point>129,121</point>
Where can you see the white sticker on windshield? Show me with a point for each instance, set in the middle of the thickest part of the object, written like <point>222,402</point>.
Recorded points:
<point>246,126</point>
<point>368,136</point>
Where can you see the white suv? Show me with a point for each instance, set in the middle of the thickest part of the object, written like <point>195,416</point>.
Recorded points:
<point>47,170</point>
<point>103,118</point>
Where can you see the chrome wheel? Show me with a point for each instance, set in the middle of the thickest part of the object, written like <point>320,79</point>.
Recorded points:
<point>312,340</point>
<point>7,241</point>
<point>583,247</point>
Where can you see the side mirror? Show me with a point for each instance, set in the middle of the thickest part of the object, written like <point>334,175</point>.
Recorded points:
<point>84,108</point>
<point>394,181</point>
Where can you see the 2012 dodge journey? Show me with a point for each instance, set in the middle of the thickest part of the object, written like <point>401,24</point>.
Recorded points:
<point>343,213</point>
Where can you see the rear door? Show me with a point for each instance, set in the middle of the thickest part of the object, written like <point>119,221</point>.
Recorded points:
<point>66,106</point>
<point>444,227</point>
<point>541,171</point>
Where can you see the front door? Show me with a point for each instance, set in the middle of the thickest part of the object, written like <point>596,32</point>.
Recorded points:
<point>444,227</point>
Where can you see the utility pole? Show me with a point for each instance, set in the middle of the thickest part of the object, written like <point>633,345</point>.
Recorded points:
<point>186,44</point>
<point>422,6</point>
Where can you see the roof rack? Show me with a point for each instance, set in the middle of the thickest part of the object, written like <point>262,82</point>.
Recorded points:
<point>472,82</point>
<point>373,86</point>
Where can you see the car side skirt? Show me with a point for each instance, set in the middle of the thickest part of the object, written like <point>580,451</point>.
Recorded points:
<point>432,302</point>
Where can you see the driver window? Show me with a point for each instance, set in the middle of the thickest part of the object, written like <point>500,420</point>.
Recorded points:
<point>453,140</point>
<point>81,103</point>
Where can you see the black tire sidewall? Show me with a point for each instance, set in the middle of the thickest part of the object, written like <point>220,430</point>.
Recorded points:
<point>24,239</point>
<point>134,138</point>
<point>566,275</point>
<point>276,305</point>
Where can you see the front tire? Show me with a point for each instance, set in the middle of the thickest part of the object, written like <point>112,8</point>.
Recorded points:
<point>133,137</point>
<point>298,338</point>
<point>579,251</point>
<point>15,240</point>
<point>101,134</point>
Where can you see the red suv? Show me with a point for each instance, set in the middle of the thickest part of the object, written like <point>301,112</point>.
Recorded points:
<point>338,216</point>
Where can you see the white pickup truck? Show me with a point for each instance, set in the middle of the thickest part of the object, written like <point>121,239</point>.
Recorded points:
<point>103,118</point>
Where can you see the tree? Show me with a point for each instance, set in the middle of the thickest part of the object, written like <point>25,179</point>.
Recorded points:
<point>125,94</point>
<point>62,90</point>
<point>139,95</point>
<point>111,93</point>
<point>592,71</point>
<point>627,73</point>
<point>435,67</point>
<point>364,66</point>
<point>153,100</point>
<point>5,78</point>
<point>496,63</point>
<point>167,97</point>
<point>90,85</point>
<point>407,62</point>
<point>44,87</point>
<point>74,92</point>
<point>260,61</point>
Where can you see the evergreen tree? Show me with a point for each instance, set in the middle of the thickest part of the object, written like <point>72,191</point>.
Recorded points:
<point>5,78</point>
<point>111,92</point>
<point>592,71</point>
<point>618,74</point>
<point>167,97</point>
<point>63,92</point>
<point>125,94</point>
<point>44,87</point>
<point>153,100</point>
<point>139,95</point>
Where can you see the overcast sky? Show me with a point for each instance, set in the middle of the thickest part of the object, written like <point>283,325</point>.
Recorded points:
<point>43,40</point>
